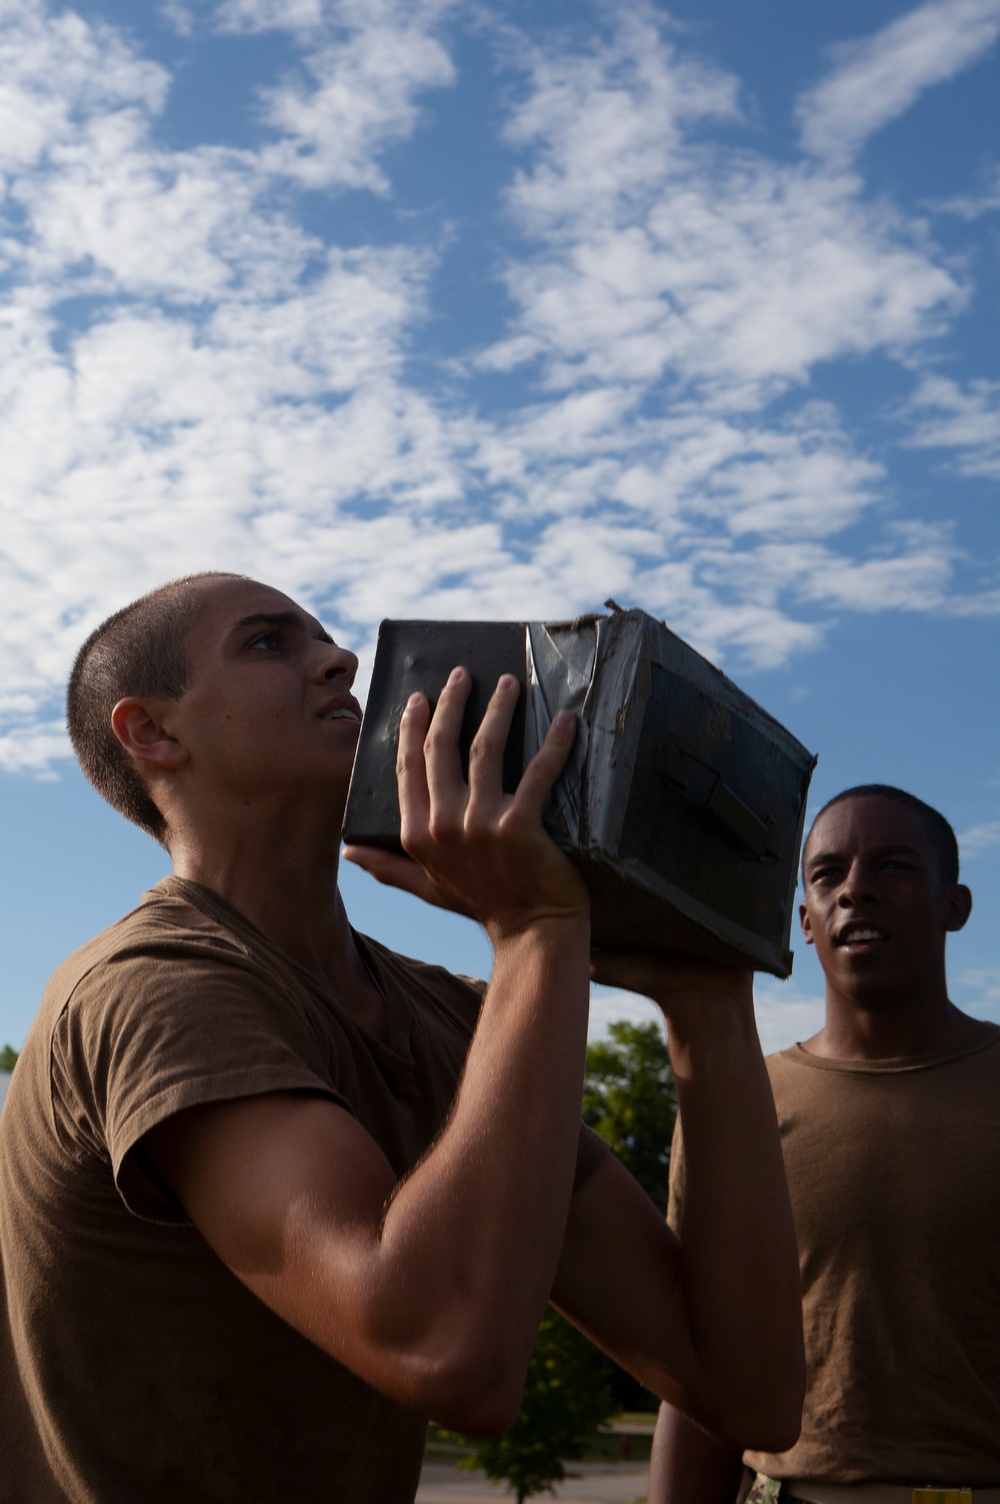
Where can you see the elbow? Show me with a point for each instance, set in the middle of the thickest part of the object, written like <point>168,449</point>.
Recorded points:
<point>761,1417</point>
<point>483,1415</point>
<point>775,1431</point>
<point>478,1404</point>
<point>478,1392</point>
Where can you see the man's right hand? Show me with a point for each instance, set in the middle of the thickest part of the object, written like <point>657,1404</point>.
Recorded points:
<point>482,851</point>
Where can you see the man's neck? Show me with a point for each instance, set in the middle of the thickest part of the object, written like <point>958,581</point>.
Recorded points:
<point>891,1029</point>
<point>282,876</point>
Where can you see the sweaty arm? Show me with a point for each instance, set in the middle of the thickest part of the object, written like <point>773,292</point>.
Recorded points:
<point>431,1288</point>
<point>698,1316</point>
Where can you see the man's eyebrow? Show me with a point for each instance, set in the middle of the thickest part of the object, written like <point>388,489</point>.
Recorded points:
<point>280,619</point>
<point>838,856</point>
<point>824,856</point>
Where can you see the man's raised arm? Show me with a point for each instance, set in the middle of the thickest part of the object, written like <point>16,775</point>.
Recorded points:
<point>432,1288</point>
<point>699,1319</point>
<point>688,1467</point>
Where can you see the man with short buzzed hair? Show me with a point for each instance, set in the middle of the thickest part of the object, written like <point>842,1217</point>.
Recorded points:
<point>890,1121</point>
<point>271,1195</point>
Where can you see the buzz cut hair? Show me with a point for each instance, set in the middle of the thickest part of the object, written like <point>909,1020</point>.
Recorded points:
<point>939,831</point>
<point>140,650</point>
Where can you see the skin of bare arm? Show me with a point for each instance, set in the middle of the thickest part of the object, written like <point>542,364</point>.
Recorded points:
<point>431,1289</point>
<point>699,1318</point>
<point>688,1467</point>
<point>695,1320</point>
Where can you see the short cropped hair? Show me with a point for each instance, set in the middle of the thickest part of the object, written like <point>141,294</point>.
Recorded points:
<point>140,650</point>
<point>940,832</point>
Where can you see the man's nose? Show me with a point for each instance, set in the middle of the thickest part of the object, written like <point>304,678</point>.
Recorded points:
<point>337,662</point>
<point>859,885</point>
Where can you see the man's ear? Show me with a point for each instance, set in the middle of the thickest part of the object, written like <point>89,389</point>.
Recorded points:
<point>959,906</point>
<point>143,735</point>
<point>805,923</point>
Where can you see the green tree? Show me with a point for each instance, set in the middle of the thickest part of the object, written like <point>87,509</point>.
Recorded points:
<point>630,1099</point>
<point>8,1058</point>
<point>566,1397</point>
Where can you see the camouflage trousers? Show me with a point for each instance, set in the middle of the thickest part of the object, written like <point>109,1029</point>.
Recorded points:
<point>760,1490</point>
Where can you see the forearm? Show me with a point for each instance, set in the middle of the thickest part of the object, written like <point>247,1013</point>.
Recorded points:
<point>470,1241</point>
<point>689,1467</point>
<point>739,1262</point>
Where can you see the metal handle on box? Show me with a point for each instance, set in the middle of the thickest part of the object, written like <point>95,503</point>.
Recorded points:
<point>698,781</point>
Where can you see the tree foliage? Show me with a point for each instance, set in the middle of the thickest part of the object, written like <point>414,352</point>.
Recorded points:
<point>8,1058</point>
<point>630,1099</point>
<point>566,1397</point>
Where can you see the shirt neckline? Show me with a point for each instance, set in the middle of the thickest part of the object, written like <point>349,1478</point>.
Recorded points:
<point>396,1050</point>
<point>800,1056</point>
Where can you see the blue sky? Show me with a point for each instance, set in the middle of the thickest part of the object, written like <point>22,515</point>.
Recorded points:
<point>437,308</point>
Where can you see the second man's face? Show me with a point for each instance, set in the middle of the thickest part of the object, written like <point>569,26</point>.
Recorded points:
<point>876,906</point>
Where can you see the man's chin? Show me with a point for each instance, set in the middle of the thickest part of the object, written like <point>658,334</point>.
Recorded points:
<point>875,988</point>
<point>872,965</point>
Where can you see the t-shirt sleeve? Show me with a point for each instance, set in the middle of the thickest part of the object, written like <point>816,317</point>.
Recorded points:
<point>675,1201</point>
<point>146,1036</point>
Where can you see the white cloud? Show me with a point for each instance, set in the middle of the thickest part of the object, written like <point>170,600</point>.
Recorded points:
<point>966,419</point>
<point>179,17</point>
<point>972,206</point>
<point>230,390</point>
<point>638,97</point>
<point>55,67</point>
<point>911,570</point>
<point>661,257</point>
<point>875,80</point>
<point>978,989</point>
<point>784,1014</point>
<point>739,278</point>
<point>234,374</point>
<point>675,291</point>
<point>979,838</point>
<point>362,65</point>
<point>358,91</point>
<point>610,1005</point>
<point>269,15</point>
<point>33,749</point>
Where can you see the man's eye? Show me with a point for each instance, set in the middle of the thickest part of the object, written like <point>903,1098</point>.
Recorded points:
<point>265,641</point>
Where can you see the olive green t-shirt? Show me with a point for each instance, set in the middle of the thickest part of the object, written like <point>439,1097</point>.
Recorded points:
<point>894,1172</point>
<point>134,1367</point>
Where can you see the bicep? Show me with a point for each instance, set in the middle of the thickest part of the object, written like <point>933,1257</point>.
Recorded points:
<point>290,1192</point>
<point>619,1281</point>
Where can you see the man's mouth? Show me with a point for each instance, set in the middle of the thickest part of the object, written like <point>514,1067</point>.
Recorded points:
<point>343,708</point>
<point>858,934</point>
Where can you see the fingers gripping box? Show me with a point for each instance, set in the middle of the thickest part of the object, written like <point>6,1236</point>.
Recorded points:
<point>682,802</point>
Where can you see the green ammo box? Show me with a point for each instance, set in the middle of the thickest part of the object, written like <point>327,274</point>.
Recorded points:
<point>682,802</point>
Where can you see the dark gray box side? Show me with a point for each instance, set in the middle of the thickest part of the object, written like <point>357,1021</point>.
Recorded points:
<point>683,801</point>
